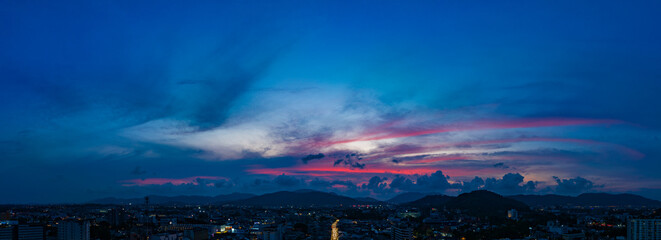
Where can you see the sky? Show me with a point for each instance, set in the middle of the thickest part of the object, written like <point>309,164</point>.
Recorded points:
<point>361,98</point>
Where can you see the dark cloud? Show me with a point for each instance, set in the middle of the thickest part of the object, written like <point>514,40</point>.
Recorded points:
<point>138,171</point>
<point>350,160</point>
<point>402,183</point>
<point>501,165</point>
<point>573,186</point>
<point>357,165</point>
<point>310,157</point>
<point>223,184</point>
<point>321,184</point>
<point>376,184</point>
<point>286,181</point>
<point>337,162</point>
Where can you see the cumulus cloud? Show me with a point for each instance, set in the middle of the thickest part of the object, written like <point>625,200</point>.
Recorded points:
<point>573,186</point>
<point>376,184</point>
<point>475,184</point>
<point>511,183</point>
<point>379,186</point>
<point>435,182</point>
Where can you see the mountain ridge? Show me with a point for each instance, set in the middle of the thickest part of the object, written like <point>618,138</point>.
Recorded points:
<point>313,197</point>
<point>587,199</point>
<point>181,199</point>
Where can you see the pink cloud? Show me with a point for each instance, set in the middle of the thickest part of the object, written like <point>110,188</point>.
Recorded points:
<point>326,171</point>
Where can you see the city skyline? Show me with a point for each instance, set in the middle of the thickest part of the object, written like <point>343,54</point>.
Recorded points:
<point>118,99</point>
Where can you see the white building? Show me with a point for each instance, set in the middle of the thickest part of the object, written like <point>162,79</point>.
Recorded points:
<point>73,230</point>
<point>644,229</point>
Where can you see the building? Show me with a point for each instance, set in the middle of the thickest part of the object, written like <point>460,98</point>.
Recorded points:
<point>7,233</point>
<point>513,214</point>
<point>402,232</point>
<point>164,236</point>
<point>196,234</point>
<point>73,230</point>
<point>273,232</point>
<point>573,236</point>
<point>270,231</point>
<point>30,232</point>
<point>116,217</point>
<point>644,229</point>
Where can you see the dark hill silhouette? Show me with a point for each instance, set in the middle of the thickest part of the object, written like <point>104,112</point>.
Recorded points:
<point>430,201</point>
<point>299,198</point>
<point>477,203</point>
<point>588,199</point>
<point>406,197</point>
<point>165,200</point>
<point>485,203</point>
<point>369,200</point>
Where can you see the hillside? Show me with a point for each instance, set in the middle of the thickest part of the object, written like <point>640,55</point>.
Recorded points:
<point>485,203</point>
<point>299,198</point>
<point>587,199</point>
<point>168,200</point>
<point>406,197</point>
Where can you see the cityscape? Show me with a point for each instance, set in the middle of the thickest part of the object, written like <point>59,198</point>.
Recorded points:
<point>299,215</point>
<point>330,119</point>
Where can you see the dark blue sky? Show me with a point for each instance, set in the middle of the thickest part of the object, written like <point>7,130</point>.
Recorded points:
<point>363,98</point>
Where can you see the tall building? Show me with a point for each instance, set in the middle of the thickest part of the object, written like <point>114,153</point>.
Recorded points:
<point>73,230</point>
<point>30,232</point>
<point>271,231</point>
<point>116,217</point>
<point>644,229</point>
<point>196,234</point>
<point>7,233</point>
<point>402,232</point>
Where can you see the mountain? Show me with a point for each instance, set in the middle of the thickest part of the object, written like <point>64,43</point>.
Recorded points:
<point>485,203</point>
<point>232,197</point>
<point>477,203</point>
<point>587,199</point>
<point>429,201</point>
<point>543,200</point>
<point>299,198</point>
<point>192,199</point>
<point>368,200</point>
<point>406,197</point>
